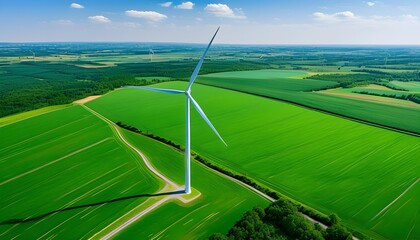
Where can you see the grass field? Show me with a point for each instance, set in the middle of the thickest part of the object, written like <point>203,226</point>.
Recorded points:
<point>299,91</point>
<point>349,95</point>
<point>21,116</point>
<point>381,90</point>
<point>267,79</point>
<point>264,74</point>
<point>410,86</point>
<point>58,173</point>
<point>220,205</point>
<point>326,162</point>
<point>65,169</point>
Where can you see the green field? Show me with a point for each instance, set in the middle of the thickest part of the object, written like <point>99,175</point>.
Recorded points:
<point>264,74</point>
<point>410,86</point>
<point>63,168</point>
<point>299,91</point>
<point>221,204</point>
<point>21,116</point>
<point>326,162</point>
<point>384,91</point>
<point>358,90</point>
<point>66,159</point>
<point>67,169</point>
<point>265,79</point>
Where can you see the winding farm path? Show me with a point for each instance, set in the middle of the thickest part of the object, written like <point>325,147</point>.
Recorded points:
<point>149,205</point>
<point>118,225</point>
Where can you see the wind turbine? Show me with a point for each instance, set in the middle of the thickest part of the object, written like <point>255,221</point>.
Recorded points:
<point>151,53</point>
<point>386,58</point>
<point>33,54</point>
<point>189,99</point>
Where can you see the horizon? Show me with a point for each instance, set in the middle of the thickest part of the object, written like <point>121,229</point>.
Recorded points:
<point>301,22</point>
<point>223,44</point>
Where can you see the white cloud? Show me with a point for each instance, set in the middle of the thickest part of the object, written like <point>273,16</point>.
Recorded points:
<point>166,4</point>
<point>131,24</point>
<point>99,19</point>
<point>409,17</point>
<point>346,15</point>
<point>223,11</point>
<point>148,15</point>
<point>370,4</point>
<point>63,22</point>
<point>185,6</point>
<point>76,5</point>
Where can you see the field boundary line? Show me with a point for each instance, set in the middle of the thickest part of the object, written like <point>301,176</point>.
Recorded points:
<point>36,115</point>
<point>49,142</point>
<point>54,161</point>
<point>135,218</point>
<point>354,119</point>
<point>42,134</point>
<point>121,137</point>
<point>396,199</point>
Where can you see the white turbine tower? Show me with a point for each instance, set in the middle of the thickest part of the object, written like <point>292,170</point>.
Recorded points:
<point>189,99</point>
<point>33,54</point>
<point>151,54</point>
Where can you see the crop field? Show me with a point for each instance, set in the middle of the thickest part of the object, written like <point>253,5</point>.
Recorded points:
<point>305,121</point>
<point>62,169</point>
<point>258,74</point>
<point>29,114</point>
<point>410,86</point>
<point>66,167</point>
<point>380,90</point>
<point>357,96</point>
<point>220,205</point>
<point>299,91</point>
<point>329,163</point>
<point>270,79</point>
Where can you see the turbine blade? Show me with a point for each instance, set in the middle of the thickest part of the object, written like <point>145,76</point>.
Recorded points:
<point>203,115</point>
<point>197,68</point>
<point>170,91</point>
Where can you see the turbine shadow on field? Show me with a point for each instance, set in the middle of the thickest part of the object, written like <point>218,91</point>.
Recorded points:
<point>35,218</point>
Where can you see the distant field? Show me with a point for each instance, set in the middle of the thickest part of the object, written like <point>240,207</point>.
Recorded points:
<point>66,158</point>
<point>410,86</point>
<point>154,78</point>
<point>298,91</point>
<point>266,73</point>
<point>265,79</point>
<point>354,94</point>
<point>326,162</point>
<point>378,89</point>
<point>220,206</point>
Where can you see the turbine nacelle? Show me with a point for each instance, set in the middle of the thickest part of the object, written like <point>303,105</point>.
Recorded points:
<point>190,97</point>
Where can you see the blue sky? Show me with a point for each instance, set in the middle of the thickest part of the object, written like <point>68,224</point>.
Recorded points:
<point>245,22</point>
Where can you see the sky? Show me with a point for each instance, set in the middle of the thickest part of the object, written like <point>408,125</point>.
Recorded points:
<point>384,22</point>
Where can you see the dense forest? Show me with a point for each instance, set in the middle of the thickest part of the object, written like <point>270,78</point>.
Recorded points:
<point>31,85</point>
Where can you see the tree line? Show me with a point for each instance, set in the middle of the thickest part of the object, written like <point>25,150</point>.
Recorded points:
<point>410,97</point>
<point>30,85</point>
<point>282,220</point>
<point>297,208</point>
